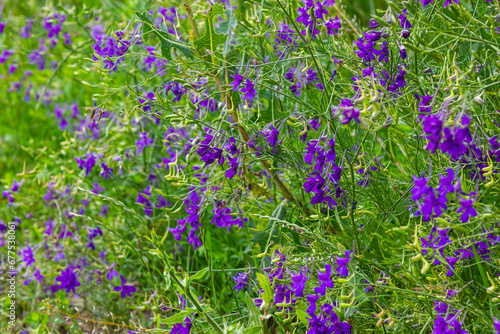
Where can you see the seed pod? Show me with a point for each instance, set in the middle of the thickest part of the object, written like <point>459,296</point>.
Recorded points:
<point>381,21</point>
<point>416,257</point>
<point>478,98</point>
<point>426,266</point>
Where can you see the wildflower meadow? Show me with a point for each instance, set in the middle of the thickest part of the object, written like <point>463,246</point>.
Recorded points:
<point>250,166</point>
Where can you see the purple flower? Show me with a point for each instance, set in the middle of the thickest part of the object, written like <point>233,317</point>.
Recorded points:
<point>126,290</point>
<point>97,188</point>
<point>177,231</point>
<point>67,38</point>
<point>449,2</point>
<point>53,25</point>
<point>440,326</point>
<point>87,163</point>
<point>272,136</point>
<point>111,272</point>
<point>161,202</point>
<point>319,11</point>
<point>144,199</point>
<point>405,24</point>
<point>433,203</point>
<point>143,142</point>
<point>451,261</point>
<point>299,282</point>
<point>312,299</point>
<point>182,328</point>
<point>467,209</point>
<point>426,2</point>
<point>93,233</point>
<point>238,79</point>
<point>38,275</point>
<point>496,324</point>
<point>421,187</point>
<point>16,185</point>
<point>233,167</point>
<point>222,218</point>
<point>5,55</point>
<point>241,279</point>
<point>231,147</point>
<point>349,112</point>
<point>211,155</point>
<point>68,280</point>
<point>108,47</point>
<point>325,281</point>
<point>454,142</point>
<point>433,126</point>
<point>193,239</point>
<point>249,90</point>
<point>342,264</point>
<point>285,34</point>
<point>332,27</point>
<point>304,16</point>
<point>106,171</point>
<point>27,255</point>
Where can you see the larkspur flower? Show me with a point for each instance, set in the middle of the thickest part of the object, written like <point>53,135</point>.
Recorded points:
<point>333,26</point>
<point>420,187</point>
<point>26,255</point>
<point>325,281</point>
<point>342,264</point>
<point>143,142</point>
<point>111,272</point>
<point>125,290</point>
<point>68,280</point>
<point>466,208</point>
<point>233,167</point>
<point>449,2</point>
<point>241,280</point>
<point>455,142</point>
<point>238,79</point>
<point>319,10</point>
<point>182,328</point>
<point>426,2</point>
<point>299,282</point>
<point>193,239</point>
<point>249,90</point>
<point>106,171</point>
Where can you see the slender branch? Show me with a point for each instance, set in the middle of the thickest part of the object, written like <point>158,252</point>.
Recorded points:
<point>229,106</point>
<point>196,33</point>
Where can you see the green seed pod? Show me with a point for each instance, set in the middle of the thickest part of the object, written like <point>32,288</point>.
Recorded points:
<point>381,21</point>
<point>426,266</point>
<point>413,47</point>
<point>192,105</point>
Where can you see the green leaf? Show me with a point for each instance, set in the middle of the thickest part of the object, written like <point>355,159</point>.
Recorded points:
<point>167,41</point>
<point>302,315</point>
<point>200,274</point>
<point>179,317</point>
<point>225,28</point>
<point>252,330</point>
<point>168,280</point>
<point>265,284</point>
<point>254,313</point>
<point>271,232</point>
<point>211,39</point>
<point>269,114</point>
<point>154,252</point>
